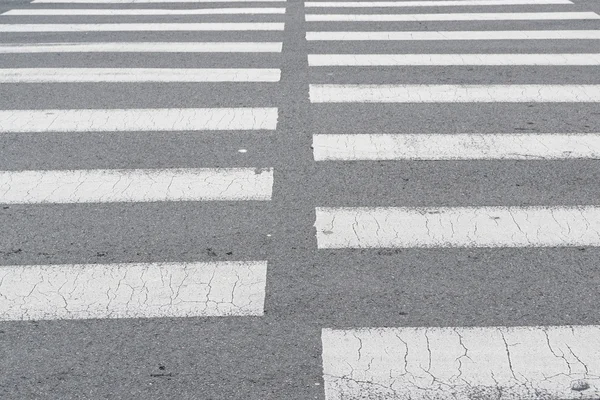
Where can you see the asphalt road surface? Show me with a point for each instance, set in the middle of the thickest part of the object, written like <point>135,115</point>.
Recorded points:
<point>333,200</point>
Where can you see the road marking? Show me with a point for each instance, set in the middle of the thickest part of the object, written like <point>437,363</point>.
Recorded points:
<point>154,1</point>
<point>149,120</point>
<point>36,75</point>
<point>56,292</point>
<point>143,47</point>
<point>145,27</point>
<point>135,185</point>
<point>202,11</point>
<point>368,60</point>
<point>427,3</point>
<point>462,363</point>
<point>329,147</point>
<point>454,93</point>
<point>457,35</point>
<point>531,16</point>
<point>390,227</point>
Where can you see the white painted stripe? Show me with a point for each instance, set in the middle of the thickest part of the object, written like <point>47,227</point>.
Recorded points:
<point>150,120</point>
<point>36,75</point>
<point>56,292</point>
<point>145,27</point>
<point>457,227</point>
<point>454,93</point>
<point>153,1</point>
<point>202,11</point>
<point>456,147</point>
<point>137,185</point>
<point>458,35</point>
<point>427,3</point>
<point>505,363</point>
<point>540,16</point>
<point>367,60</point>
<point>143,47</point>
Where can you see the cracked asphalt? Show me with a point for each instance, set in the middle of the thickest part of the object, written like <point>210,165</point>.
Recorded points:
<point>278,355</point>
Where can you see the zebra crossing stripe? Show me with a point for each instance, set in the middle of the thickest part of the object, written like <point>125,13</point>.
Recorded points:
<point>531,16</point>
<point>145,27</point>
<point>457,35</point>
<point>37,75</point>
<point>135,185</point>
<point>366,60</point>
<point>154,1</point>
<point>553,362</point>
<point>400,227</point>
<point>143,47</point>
<point>202,11</point>
<point>427,3</point>
<point>330,147</point>
<point>149,120</point>
<point>454,93</point>
<point>195,289</point>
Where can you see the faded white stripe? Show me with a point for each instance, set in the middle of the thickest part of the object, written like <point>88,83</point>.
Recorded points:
<point>55,292</point>
<point>136,185</point>
<point>453,17</point>
<point>428,3</point>
<point>154,1</point>
<point>457,35</point>
<point>143,47</point>
<point>202,11</point>
<point>457,227</point>
<point>456,146</point>
<point>454,93</point>
<point>462,363</point>
<point>37,75</point>
<point>318,60</point>
<point>145,27</point>
<point>161,119</point>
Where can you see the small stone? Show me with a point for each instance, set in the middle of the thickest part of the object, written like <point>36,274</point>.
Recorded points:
<point>580,385</point>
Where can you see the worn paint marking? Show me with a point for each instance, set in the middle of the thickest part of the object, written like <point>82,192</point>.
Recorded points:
<point>143,47</point>
<point>524,16</point>
<point>457,35</point>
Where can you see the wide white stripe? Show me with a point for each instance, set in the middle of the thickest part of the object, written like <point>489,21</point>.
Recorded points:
<point>54,292</point>
<point>454,93</point>
<point>154,1</point>
<point>112,186</point>
<point>457,227</point>
<point>35,75</point>
<point>505,363</point>
<point>427,3</point>
<point>318,60</point>
<point>143,47</point>
<point>458,35</point>
<point>525,146</point>
<point>145,27</point>
<point>202,11</point>
<point>161,119</point>
<point>453,17</point>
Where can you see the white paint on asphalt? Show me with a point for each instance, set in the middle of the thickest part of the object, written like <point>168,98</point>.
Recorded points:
<point>505,363</point>
<point>389,227</point>
<point>154,1</point>
<point>142,47</point>
<point>526,16</point>
<point>526,146</point>
<point>39,75</point>
<point>454,93</point>
<point>367,60</point>
<point>427,3</point>
<point>135,185</point>
<point>142,11</point>
<point>56,292</point>
<point>145,27</point>
<point>457,35</point>
<point>150,120</point>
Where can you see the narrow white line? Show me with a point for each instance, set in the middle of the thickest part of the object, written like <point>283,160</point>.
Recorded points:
<point>57,292</point>
<point>202,11</point>
<point>532,16</point>
<point>39,75</point>
<point>550,362</point>
<point>150,120</point>
<point>455,93</point>
<point>367,60</point>
<point>541,146</point>
<point>145,27</point>
<point>153,1</point>
<point>458,227</point>
<point>116,186</point>
<point>457,35</point>
<point>427,3</point>
<point>143,47</point>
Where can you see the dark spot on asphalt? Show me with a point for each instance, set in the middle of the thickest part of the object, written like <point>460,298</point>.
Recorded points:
<point>211,252</point>
<point>229,253</point>
<point>100,254</point>
<point>5,207</point>
<point>162,367</point>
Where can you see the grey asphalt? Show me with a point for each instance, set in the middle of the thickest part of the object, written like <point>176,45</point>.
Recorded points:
<point>277,356</point>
